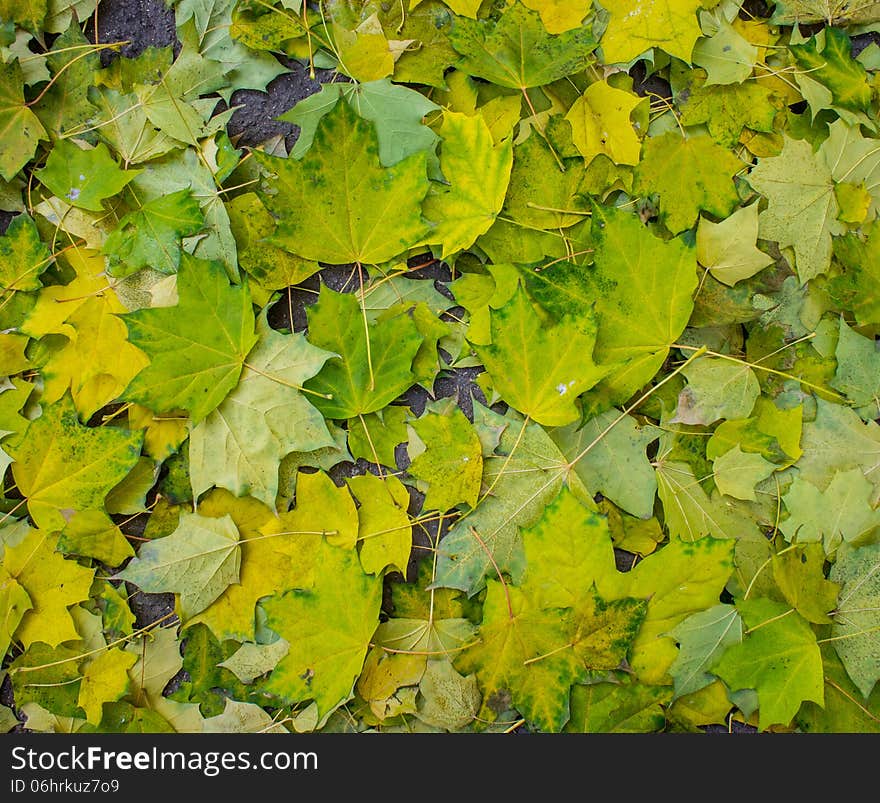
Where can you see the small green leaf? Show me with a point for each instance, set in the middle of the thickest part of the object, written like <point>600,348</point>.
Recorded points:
<point>83,178</point>
<point>150,236</point>
<point>373,365</point>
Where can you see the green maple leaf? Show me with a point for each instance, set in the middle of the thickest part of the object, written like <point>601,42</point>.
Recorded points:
<point>541,194</point>
<point>242,68</point>
<point>567,551</point>
<point>643,289</point>
<point>702,638</point>
<point>726,55</point>
<point>835,68</point>
<point>20,128</point>
<point>476,190</point>
<point>615,465</point>
<point>525,470</point>
<point>837,440</point>
<point>266,416</point>
<point>172,99</point>
<point>328,627</point>
<point>518,660</point>
<point>854,632</point>
<point>636,27</point>
<point>193,366</point>
<point>84,178</point>
<point>682,578</point>
<point>197,561</point>
<point>736,473</point>
<point>122,123</point>
<point>23,255</point>
<point>540,369</point>
<point>373,364</point>
<point>65,108</point>
<point>60,465</point>
<point>250,661</point>
<point>47,586</point>
<point>778,657</point>
<point>689,512</point>
<point>352,196</point>
<point>690,175</point>
<point>396,112</point>
<point>843,511</point>
<point>516,50</point>
<point>185,169</point>
<point>728,109</point>
<point>376,436</point>
<point>150,236</point>
<point>270,267</point>
<point>427,23</point>
<point>452,463</point>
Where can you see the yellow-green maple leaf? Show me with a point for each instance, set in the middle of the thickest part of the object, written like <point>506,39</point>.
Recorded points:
<point>105,679</point>
<point>62,466</point>
<point>478,172</point>
<point>636,26</point>
<point>328,627</point>
<point>277,553</point>
<point>53,585</point>
<point>539,369</point>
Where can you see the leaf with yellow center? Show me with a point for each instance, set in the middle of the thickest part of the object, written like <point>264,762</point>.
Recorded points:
<point>478,172</point>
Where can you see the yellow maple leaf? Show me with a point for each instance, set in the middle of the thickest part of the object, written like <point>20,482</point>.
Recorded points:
<point>639,25</point>
<point>98,362</point>
<point>600,123</point>
<point>52,583</point>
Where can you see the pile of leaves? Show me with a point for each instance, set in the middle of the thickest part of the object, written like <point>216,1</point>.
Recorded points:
<point>534,387</point>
